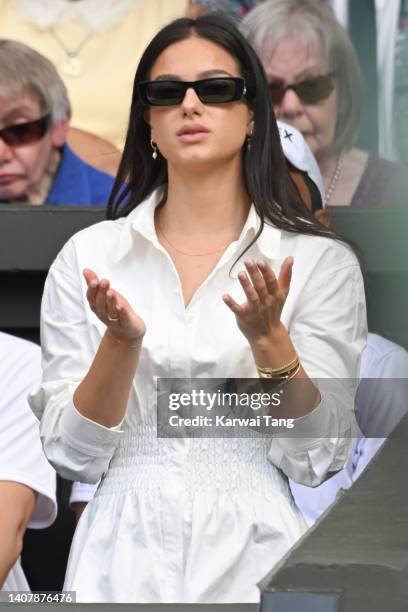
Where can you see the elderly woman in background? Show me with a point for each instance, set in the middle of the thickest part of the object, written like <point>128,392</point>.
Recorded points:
<point>95,46</point>
<point>316,86</point>
<point>36,164</point>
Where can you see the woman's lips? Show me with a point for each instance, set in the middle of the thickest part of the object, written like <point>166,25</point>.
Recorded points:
<point>192,136</point>
<point>6,179</point>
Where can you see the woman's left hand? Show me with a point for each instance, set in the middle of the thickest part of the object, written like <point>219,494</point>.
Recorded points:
<point>259,318</point>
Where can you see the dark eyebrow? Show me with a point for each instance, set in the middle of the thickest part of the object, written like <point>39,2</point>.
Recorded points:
<point>202,75</point>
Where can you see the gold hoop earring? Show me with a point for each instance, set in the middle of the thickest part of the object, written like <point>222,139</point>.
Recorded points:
<point>154,147</point>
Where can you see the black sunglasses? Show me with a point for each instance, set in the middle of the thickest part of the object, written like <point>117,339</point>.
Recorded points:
<point>25,133</point>
<point>309,91</point>
<point>210,91</point>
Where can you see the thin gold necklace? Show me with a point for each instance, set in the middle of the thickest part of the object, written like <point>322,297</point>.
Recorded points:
<point>184,252</point>
<point>334,178</point>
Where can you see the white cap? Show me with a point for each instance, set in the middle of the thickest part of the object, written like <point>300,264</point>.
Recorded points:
<point>297,151</point>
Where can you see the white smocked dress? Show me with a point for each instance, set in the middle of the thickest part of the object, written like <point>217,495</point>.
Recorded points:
<point>190,520</point>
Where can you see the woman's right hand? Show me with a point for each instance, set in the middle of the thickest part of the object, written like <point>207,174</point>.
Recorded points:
<point>113,309</point>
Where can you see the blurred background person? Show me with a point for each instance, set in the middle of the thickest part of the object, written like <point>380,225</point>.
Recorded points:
<point>316,85</point>
<point>96,46</point>
<point>381,402</point>
<point>234,9</point>
<point>27,480</point>
<point>36,164</point>
<point>379,31</point>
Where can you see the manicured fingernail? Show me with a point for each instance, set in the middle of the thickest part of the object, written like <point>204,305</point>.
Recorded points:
<point>93,284</point>
<point>104,284</point>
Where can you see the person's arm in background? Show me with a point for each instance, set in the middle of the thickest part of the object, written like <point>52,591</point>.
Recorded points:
<point>81,494</point>
<point>27,481</point>
<point>78,508</point>
<point>17,503</point>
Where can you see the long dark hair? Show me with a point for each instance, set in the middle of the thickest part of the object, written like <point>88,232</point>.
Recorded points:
<point>267,178</point>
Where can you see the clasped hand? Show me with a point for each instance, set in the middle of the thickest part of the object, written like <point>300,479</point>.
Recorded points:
<point>113,309</point>
<point>259,319</point>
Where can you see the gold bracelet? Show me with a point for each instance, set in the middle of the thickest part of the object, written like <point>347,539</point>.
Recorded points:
<point>294,373</point>
<point>283,371</point>
<point>285,374</point>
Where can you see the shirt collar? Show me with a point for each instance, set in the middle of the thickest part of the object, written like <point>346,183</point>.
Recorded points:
<point>141,221</point>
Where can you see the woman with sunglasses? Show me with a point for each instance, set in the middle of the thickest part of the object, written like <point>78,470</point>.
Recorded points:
<point>208,267</point>
<point>316,85</point>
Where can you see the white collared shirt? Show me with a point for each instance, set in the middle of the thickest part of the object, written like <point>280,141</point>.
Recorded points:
<point>326,318</point>
<point>21,457</point>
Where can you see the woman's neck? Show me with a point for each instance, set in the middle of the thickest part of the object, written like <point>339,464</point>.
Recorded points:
<point>327,165</point>
<point>342,175</point>
<point>210,204</point>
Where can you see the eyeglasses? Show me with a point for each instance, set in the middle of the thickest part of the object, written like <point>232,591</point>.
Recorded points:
<point>309,91</point>
<point>210,91</point>
<point>25,133</point>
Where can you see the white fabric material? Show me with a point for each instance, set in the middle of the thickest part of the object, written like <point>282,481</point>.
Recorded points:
<point>182,520</point>
<point>381,359</point>
<point>93,14</point>
<point>82,492</point>
<point>16,580</point>
<point>21,457</point>
<point>297,151</point>
<point>387,14</point>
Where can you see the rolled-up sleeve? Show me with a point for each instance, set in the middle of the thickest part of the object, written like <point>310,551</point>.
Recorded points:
<point>329,330</point>
<point>78,448</point>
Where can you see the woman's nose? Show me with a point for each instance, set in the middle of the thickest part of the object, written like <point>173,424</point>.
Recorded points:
<point>290,105</point>
<point>6,152</point>
<point>191,102</point>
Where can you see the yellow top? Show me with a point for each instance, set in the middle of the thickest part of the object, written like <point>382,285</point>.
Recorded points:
<point>101,94</point>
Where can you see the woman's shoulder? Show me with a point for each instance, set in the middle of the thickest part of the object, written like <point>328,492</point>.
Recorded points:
<point>311,249</point>
<point>102,243</point>
<point>383,183</point>
<point>95,242</point>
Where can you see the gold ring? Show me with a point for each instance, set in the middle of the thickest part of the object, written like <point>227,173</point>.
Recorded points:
<point>112,319</point>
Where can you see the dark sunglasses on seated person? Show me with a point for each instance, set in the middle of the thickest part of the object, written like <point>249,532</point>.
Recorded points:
<point>309,91</point>
<point>27,133</point>
<point>210,91</point>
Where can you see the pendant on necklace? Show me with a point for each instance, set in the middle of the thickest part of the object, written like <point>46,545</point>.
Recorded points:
<point>72,66</point>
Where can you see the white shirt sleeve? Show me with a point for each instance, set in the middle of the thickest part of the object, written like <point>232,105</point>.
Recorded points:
<point>82,492</point>
<point>329,333</point>
<point>78,448</point>
<point>21,456</point>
